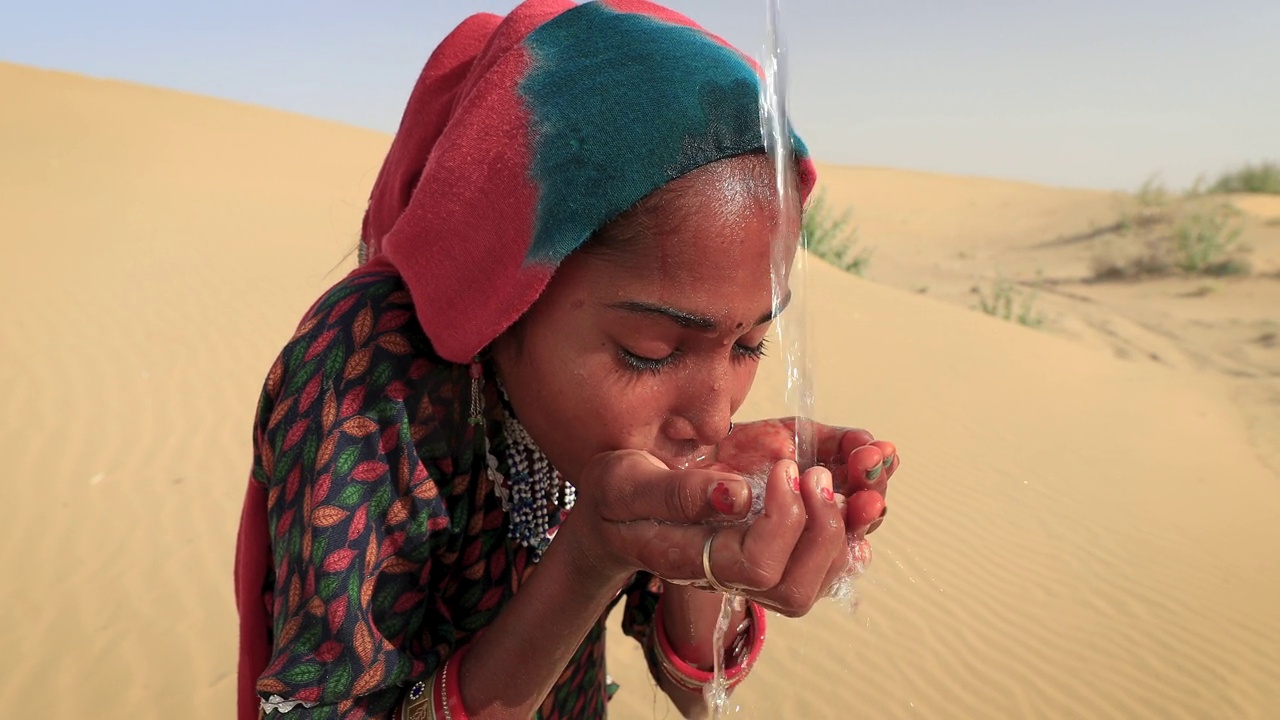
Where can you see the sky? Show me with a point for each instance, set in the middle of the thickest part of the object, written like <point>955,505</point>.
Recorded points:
<point>1089,93</point>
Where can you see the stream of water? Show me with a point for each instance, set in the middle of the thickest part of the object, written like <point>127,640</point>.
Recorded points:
<point>788,275</point>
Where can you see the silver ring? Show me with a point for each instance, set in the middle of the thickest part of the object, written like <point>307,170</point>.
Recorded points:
<point>706,568</point>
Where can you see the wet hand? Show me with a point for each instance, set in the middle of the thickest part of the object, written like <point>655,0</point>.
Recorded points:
<point>860,465</point>
<point>789,557</point>
<point>634,513</point>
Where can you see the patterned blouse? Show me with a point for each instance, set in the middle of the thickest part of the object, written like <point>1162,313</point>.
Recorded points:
<point>389,540</point>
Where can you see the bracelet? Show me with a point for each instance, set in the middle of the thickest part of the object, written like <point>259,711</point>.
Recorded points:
<point>437,698</point>
<point>742,655</point>
<point>451,694</point>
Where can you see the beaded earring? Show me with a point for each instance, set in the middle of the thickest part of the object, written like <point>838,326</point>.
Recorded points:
<point>534,489</point>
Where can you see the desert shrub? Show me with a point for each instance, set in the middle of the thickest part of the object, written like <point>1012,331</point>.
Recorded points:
<point>1161,233</point>
<point>1007,301</point>
<point>1263,177</point>
<point>833,238</point>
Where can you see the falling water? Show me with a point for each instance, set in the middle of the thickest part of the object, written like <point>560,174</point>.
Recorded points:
<point>788,274</point>
<point>792,334</point>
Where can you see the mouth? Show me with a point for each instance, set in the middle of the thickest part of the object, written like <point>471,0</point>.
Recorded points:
<point>691,457</point>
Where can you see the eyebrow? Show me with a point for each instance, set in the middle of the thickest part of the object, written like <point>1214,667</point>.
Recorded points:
<point>687,319</point>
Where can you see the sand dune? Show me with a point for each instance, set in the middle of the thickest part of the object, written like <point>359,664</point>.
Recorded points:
<point>1074,534</point>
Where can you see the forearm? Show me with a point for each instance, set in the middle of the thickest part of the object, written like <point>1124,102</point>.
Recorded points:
<point>510,667</point>
<point>689,617</point>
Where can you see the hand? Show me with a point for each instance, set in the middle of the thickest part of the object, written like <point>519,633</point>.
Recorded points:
<point>634,513</point>
<point>861,466</point>
<point>789,557</point>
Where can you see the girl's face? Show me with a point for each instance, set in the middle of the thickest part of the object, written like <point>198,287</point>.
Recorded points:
<point>652,345</point>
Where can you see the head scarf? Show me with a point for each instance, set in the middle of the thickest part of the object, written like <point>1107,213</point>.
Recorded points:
<point>526,134</point>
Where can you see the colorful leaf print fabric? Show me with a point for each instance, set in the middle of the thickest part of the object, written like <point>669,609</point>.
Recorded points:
<point>388,542</point>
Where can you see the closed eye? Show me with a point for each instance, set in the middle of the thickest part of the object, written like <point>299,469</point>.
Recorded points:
<point>751,352</point>
<point>637,363</point>
<point>642,364</point>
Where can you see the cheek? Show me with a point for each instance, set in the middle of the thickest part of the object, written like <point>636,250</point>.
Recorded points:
<point>743,378</point>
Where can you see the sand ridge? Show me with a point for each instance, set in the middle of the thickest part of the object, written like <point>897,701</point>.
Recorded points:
<point>1074,533</point>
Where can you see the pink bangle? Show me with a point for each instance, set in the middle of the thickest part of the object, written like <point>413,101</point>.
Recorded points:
<point>691,678</point>
<point>447,696</point>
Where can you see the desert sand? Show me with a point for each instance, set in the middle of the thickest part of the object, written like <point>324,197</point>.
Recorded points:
<point>1083,526</point>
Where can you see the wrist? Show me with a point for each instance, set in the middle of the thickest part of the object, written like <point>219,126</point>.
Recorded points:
<point>689,617</point>
<point>746,643</point>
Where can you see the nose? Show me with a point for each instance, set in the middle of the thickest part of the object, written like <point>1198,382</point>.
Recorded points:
<point>705,417</point>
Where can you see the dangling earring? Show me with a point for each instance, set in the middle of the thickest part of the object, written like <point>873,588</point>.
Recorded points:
<point>535,486</point>
<point>477,390</point>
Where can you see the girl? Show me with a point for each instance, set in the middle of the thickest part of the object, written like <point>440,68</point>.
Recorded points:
<point>563,296</point>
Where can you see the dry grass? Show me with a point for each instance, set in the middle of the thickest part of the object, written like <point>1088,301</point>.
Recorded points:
<point>1159,232</point>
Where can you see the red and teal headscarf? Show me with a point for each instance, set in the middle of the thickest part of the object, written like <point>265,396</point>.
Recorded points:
<point>526,134</point>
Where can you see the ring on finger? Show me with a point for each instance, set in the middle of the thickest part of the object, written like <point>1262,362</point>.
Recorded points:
<point>706,568</point>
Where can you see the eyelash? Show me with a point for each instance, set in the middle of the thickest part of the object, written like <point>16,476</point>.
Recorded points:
<point>640,364</point>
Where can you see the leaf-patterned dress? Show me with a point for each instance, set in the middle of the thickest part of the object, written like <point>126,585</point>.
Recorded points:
<point>388,541</point>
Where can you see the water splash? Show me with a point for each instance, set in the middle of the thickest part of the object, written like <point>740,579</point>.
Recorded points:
<point>716,694</point>
<point>788,272</point>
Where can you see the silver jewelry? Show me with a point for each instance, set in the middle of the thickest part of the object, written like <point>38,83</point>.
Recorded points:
<point>706,568</point>
<point>536,488</point>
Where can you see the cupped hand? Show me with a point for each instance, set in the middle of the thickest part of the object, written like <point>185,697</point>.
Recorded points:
<point>634,513</point>
<point>860,465</point>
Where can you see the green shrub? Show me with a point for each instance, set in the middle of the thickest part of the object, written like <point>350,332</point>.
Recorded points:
<point>1161,233</point>
<point>1204,241</point>
<point>833,238</point>
<point>1261,178</point>
<point>1007,301</point>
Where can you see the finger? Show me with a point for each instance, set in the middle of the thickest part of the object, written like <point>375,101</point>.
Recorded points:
<point>890,467</point>
<point>889,454</point>
<point>888,464</point>
<point>864,508</point>
<point>755,557</point>
<point>835,443</point>
<point>852,440</point>
<point>635,488</point>
<point>878,521</point>
<point>817,549</point>
<point>865,469</point>
<point>669,552</point>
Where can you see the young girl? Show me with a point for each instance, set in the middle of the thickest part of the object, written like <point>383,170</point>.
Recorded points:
<point>563,296</point>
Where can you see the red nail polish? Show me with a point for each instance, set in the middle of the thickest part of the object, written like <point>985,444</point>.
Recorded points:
<point>722,499</point>
<point>828,494</point>
<point>793,479</point>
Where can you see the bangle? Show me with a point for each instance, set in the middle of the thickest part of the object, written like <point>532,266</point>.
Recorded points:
<point>742,656</point>
<point>450,694</point>
<point>437,698</point>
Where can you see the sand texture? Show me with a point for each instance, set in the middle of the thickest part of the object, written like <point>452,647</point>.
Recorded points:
<point>1083,526</point>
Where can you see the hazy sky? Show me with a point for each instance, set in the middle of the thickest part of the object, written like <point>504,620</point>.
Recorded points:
<point>1086,93</point>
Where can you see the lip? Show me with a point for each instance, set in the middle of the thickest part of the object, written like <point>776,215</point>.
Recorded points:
<point>684,462</point>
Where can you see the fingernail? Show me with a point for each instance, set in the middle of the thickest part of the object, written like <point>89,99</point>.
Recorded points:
<point>722,499</point>
<point>873,473</point>
<point>888,460</point>
<point>822,478</point>
<point>793,477</point>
